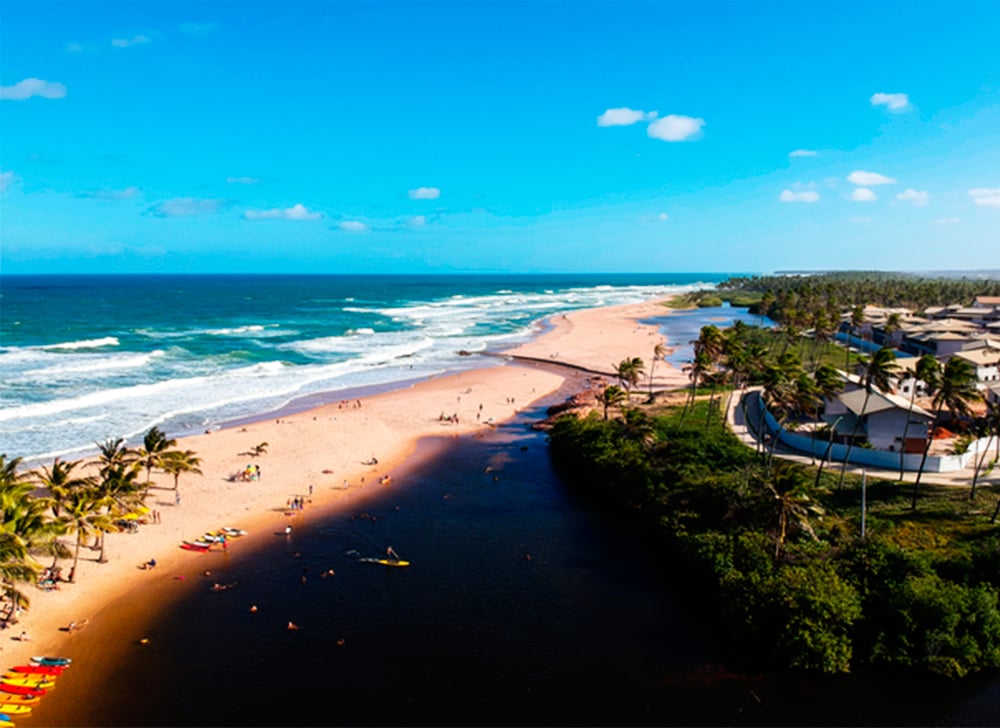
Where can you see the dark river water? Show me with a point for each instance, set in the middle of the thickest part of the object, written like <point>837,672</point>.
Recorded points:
<point>521,606</point>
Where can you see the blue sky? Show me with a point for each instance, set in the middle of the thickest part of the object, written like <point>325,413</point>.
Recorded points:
<point>498,136</point>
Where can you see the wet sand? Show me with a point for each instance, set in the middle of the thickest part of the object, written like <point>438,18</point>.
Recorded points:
<point>326,449</point>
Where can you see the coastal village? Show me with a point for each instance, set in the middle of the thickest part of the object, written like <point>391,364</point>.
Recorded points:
<point>884,423</point>
<point>899,418</point>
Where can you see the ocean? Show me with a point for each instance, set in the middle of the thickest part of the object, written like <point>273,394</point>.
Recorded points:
<point>87,358</point>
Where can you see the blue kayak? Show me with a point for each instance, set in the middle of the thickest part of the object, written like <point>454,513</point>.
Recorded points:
<point>52,661</point>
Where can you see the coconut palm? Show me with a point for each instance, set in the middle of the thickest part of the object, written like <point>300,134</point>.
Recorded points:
<point>877,374</point>
<point>658,351</point>
<point>84,514</point>
<point>611,396</point>
<point>636,425</point>
<point>16,566</point>
<point>991,427</point>
<point>697,371</point>
<point>788,485</point>
<point>113,452</point>
<point>154,445</point>
<point>629,372</point>
<point>956,392</point>
<point>118,494</point>
<point>59,480</point>
<point>176,462</point>
<point>928,371</point>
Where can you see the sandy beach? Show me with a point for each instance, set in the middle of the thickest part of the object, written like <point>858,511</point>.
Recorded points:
<point>324,456</point>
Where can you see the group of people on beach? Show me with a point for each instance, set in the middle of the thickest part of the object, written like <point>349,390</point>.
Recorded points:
<point>250,472</point>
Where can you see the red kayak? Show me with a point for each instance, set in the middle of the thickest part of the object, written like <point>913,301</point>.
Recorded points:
<point>22,690</point>
<point>38,669</point>
<point>195,546</point>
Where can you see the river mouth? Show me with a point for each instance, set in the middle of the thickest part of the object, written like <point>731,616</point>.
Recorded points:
<point>521,606</point>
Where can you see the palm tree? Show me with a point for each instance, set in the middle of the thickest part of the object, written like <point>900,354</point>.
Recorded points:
<point>928,371</point>
<point>794,506</point>
<point>611,396</point>
<point>658,351</point>
<point>113,452</point>
<point>59,481</point>
<point>956,392</point>
<point>176,462</point>
<point>991,424</point>
<point>16,565</point>
<point>118,494</point>
<point>697,371</point>
<point>712,343</point>
<point>636,425</point>
<point>84,514</point>
<point>878,371</point>
<point>154,445</point>
<point>629,372</point>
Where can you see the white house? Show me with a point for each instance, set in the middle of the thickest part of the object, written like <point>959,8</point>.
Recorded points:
<point>882,421</point>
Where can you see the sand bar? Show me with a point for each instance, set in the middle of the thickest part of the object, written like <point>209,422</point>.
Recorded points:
<point>327,448</point>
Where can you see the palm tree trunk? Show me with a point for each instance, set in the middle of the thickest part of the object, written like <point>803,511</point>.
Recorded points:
<point>906,428</point>
<point>76,555</point>
<point>854,434</point>
<point>979,466</point>
<point>923,460</point>
<point>826,455</point>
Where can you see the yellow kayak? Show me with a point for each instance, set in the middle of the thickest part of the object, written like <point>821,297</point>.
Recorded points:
<point>29,682</point>
<point>17,678</point>
<point>384,562</point>
<point>11,699</point>
<point>13,709</point>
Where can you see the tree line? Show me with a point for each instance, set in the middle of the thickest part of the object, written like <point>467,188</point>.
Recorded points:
<point>39,507</point>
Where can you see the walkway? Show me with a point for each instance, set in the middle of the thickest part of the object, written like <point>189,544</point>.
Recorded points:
<point>745,423</point>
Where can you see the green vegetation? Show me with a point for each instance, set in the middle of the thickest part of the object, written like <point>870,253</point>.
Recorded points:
<point>842,290</point>
<point>776,553</point>
<point>39,507</point>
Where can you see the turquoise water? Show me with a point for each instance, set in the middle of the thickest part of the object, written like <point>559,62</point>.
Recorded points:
<point>85,358</point>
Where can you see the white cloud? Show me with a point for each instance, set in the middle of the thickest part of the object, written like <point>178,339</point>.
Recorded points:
<point>663,217</point>
<point>133,41</point>
<point>985,196</point>
<point>353,226</point>
<point>804,196</point>
<point>197,28</point>
<point>242,180</point>
<point>6,180</point>
<point>894,102</point>
<point>624,116</point>
<point>948,220</point>
<point>186,207</point>
<point>863,194</point>
<point>126,194</point>
<point>418,220</point>
<point>859,220</point>
<point>868,179</point>
<point>74,48</point>
<point>33,87</point>
<point>803,153</point>
<point>295,212</point>
<point>674,128</point>
<point>918,198</point>
<point>425,193</point>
